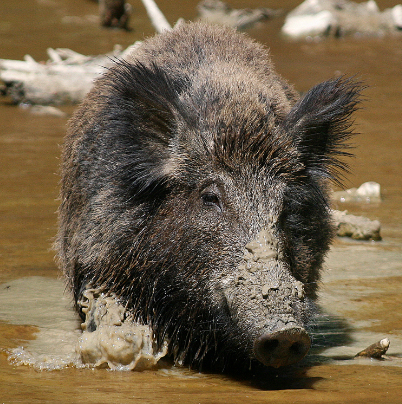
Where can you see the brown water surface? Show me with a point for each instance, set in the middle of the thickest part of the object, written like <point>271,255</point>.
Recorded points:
<point>361,291</point>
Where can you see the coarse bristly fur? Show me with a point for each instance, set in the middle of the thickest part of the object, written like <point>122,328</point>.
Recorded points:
<point>177,158</point>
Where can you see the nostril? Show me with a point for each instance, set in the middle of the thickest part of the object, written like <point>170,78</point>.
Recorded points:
<point>298,348</point>
<point>270,345</point>
<point>283,347</point>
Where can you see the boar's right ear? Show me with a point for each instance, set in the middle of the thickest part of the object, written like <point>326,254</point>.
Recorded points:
<point>142,114</point>
<point>320,126</point>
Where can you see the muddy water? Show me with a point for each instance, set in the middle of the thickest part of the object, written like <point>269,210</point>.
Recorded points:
<point>360,295</point>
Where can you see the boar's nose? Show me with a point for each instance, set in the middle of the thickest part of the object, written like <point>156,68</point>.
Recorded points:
<point>283,347</point>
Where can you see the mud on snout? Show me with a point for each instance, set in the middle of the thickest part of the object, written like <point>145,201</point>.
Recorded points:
<point>269,305</point>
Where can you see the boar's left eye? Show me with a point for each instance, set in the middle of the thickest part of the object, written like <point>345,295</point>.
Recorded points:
<point>211,199</point>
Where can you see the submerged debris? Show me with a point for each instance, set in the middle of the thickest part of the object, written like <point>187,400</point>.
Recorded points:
<point>368,192</point>
<point>356,227</point>
<point>114,13</point>
<point>336,18</point>
<point>376,350</point>
<point>43,110</point>
<point>218,12</point>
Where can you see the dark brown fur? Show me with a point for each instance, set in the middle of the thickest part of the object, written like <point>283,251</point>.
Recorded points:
<point>177,158</point>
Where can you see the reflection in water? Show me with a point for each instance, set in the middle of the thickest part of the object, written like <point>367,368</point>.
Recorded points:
<point>360,291</point>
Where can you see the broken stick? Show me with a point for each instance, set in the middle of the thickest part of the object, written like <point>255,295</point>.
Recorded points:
<point>376,350</point>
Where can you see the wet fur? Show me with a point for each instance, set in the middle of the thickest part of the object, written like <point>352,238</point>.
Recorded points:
<point>154,130</point>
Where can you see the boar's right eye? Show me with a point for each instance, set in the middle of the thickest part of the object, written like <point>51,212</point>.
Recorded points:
<point>211,199</point>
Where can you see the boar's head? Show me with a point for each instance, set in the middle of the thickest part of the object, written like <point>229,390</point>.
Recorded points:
<point>194,188</point>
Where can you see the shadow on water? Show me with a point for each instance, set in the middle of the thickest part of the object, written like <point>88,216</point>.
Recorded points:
<point>56,331</point>
<point>266,378</point>
<point>290,378</point>
<point>327,331</point>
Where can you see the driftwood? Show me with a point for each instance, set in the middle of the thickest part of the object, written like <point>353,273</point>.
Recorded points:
<point>356,227</point>
<point>376,350</point>
<point>368,192</point>
<point>156,16</point>
<point>218,12</point>
<point>319,18</point>
<point>67,76</point>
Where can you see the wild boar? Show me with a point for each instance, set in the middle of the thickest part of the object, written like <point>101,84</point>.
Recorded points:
<point>194,188</point>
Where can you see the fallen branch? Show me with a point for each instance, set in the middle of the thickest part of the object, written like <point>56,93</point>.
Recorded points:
<point>64,79</point>
<point>156,16</point>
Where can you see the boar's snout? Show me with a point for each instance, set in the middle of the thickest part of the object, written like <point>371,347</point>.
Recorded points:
<point>282,348</point>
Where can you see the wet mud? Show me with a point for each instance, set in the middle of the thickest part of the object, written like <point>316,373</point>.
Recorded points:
<point>359,297</point>
<point>111,338</point>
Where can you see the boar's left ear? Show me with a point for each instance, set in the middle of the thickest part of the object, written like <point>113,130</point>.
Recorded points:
<point>320,126</point>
